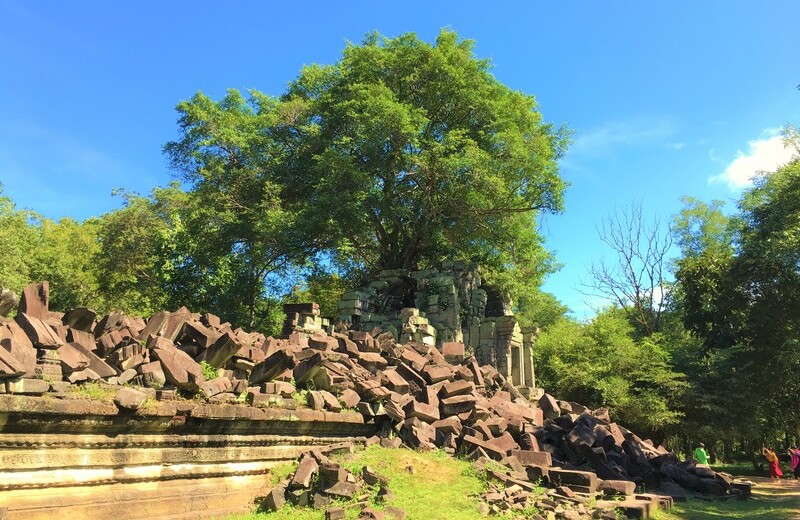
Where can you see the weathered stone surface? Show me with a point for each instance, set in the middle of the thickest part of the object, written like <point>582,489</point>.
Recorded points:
<point>80,318</point>
<point>422,411</point>
<point>458,404</point>
<point>549,407</point>
<point>531,458</point>
<point>372,361</point>
<point>315,400</point>
<point>436,374</point>
<point>24,354</point>
<point>27,386</point>
<point>222,350</point>
<point>8,300</point>
<point>331,403</point>
<point>200,334</point>
<point>453,352</point>
<point>35,300</point>
<point>152,374</point>
<point>130,399</point>
<point>271,367</point>
<point>10,366</point>
<point>306,471</point>
<point>179,369</point>
<point>321,341</point>
<point>39,333</point>
<point>216,386</point>
<point>72,358</point>
<point>274,500</point>
<point>96,364</point>
<point>617,487</point>
<point>578,478</point>
<point>349,398</point>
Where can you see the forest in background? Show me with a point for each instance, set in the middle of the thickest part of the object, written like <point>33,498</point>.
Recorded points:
<point>405,153</point>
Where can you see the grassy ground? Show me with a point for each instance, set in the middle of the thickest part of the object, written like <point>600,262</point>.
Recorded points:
<point>431,486</point>
<point>771,501</point>
<point>443,488</point>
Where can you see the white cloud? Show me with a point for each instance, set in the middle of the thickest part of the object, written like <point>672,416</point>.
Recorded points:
<point>765,154</point>
<point>622,133</point>
<point>676,146</point>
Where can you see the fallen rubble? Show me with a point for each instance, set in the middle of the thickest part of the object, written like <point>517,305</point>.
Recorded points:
<point>417,396</point>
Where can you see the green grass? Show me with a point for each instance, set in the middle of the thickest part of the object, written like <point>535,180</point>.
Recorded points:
<point>445,488</point>
<point>91,390</point>
<point>744,510</point>
<point>440,487</point>
<point>771,501</point>
<point>741,469</point>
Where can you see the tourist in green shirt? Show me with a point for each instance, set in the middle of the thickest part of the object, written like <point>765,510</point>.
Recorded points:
<point>701,454</point>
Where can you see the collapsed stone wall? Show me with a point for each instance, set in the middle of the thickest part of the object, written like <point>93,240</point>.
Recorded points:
<point>451,304</point>
<point>411,393</point>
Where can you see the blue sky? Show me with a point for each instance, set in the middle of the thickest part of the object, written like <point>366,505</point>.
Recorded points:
<point>665,100</point>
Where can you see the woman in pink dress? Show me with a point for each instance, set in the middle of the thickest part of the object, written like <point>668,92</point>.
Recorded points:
<point>795,454</point>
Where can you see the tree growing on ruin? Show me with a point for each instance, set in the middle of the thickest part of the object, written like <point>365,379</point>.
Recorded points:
<point>407,153</point>
<point>401,154</point>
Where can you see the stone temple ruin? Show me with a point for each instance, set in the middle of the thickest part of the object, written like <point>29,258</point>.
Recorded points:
<point>188,415</point>
<point>435,307</point>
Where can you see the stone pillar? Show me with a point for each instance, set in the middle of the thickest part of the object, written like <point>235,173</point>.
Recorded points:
<point>486,352</point>
<point>507,337</point>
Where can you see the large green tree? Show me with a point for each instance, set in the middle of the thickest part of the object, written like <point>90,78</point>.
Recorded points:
<point>243,228</point>
<point>408,153</point>
<point>400,155</point>
<point>607,362</point>
<point>739,285</point>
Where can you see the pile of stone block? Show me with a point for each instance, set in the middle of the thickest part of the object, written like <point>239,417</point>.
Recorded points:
<point>417,394</point>
<point>320,483</point>
<point>44,350</point>
<point>450,304</point>
<point>303,317</point>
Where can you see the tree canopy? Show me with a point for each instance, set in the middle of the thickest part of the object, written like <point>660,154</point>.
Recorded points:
<point>739,284</point>
<point>410,152</point>
<point>401,154</point>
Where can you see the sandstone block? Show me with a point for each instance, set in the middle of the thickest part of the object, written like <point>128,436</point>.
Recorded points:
<point>10,366</point>
<point>72,358</point>
<point>179,368</point>
<point>80,319</point>
<point>130,399</point>
<point>35,300</point>
<point>39,333</point>
<point>531,458</point>
<point>453,352</point>
<point>27,386</point>
<point>306,471</point>
<point>349,398</point>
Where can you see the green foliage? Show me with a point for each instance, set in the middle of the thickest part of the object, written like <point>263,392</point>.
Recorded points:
<point>605,363</point>
<point>440,488</point>
<point>739,286</point>
<point>408,153</point>
<point>139,251</point>
<point>209,372</point>
<point>18,240</point>
<point>35,249</point>
<point>243,230</point>
<point>323,288</point>
<point>66,257</point>
<point>536,307</point>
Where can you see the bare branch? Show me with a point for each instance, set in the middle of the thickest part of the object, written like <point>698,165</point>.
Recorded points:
<point>636,280</point>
